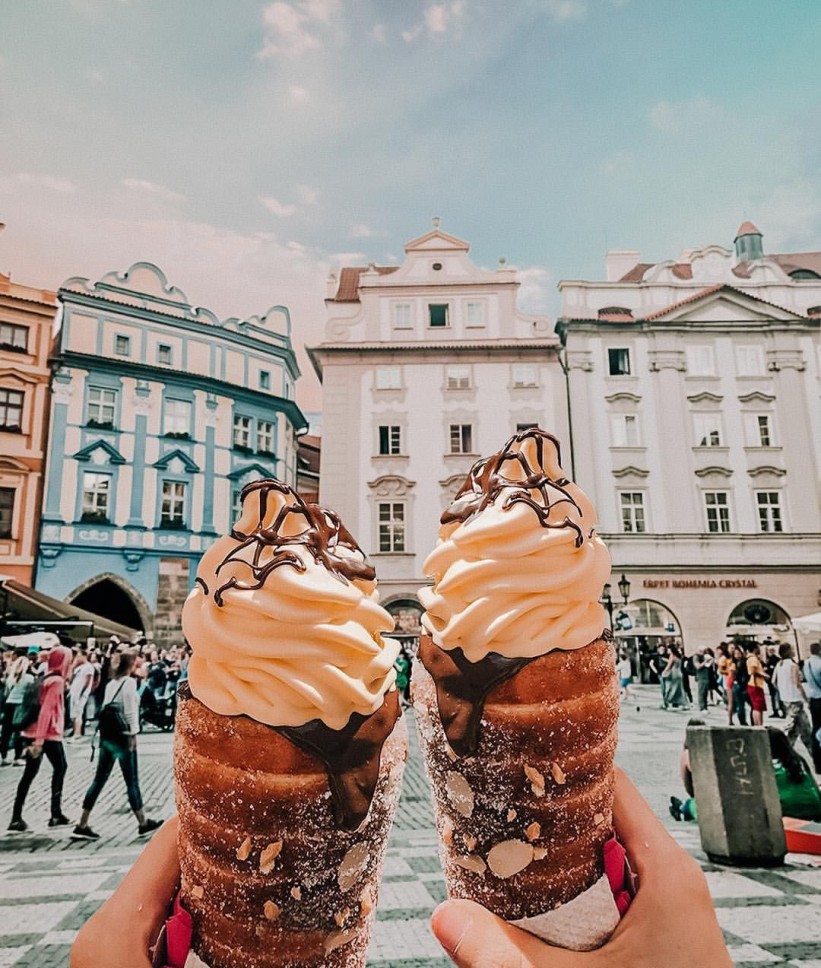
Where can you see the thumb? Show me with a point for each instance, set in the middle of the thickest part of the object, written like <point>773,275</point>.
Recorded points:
<point>475,938</point>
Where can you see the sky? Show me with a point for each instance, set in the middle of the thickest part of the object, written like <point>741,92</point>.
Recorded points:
<point>249,147</point>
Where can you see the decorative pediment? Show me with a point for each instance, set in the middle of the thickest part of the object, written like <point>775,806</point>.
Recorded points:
<point>391,485</point>
<point>766,471</point>
<point>631,471</point>
<point>756,396</point>
<point>666,360</point>
<point>723,304</point>
<point>100,452</point>
<point>437,241</point>
<point>177,462</point>
<point>623,397</point>
<point>705,397</point>
<point>714,471</point>
<point>256,468</point>
<point>9,376</point>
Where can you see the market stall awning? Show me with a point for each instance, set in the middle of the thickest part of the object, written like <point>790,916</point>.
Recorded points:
<point>26,608</point>
<point>808,624</point>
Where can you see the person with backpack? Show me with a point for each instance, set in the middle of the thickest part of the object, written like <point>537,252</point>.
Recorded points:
<point>18,678</point>
<point>118,726</point>
<point>42,733</point>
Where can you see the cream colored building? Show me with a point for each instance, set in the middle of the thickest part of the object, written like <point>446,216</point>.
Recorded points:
<point>693,387</point>
<point>425,366</point>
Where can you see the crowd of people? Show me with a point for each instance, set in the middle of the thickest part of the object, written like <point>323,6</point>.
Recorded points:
<point>74,693</point>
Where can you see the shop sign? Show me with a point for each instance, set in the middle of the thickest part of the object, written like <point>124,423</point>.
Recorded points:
<point>699,583</point>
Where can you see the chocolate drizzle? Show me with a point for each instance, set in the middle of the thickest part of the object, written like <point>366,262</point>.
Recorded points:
<point>486,481</point>
<point>321,534</point>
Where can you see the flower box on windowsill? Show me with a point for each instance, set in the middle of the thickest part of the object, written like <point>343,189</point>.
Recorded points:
<point>10,429</point>
<point>243,449</point>
<point>11,348</point>
<point>177,434</point>
<point>94,517</point>
<point>100,424</point>
<point>267,453</point>
<point>169,524</point>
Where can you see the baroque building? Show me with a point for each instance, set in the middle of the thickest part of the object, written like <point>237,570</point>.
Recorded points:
<point>160,414</point>
<point>425,367</point>
<point>26,324</point>
<point>693,387</point>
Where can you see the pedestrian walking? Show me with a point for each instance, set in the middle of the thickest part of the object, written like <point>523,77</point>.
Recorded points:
<point>704,668</point>
<point>687,670</point>
<point>658,663</point>
<point>18,678</point>
<point>770,661</point>
<point>756,682</point>
<point>45,736</point>
<point>673,676</point>
<point>119,724</point>
<point>787,678</point>
<point>741,679</point>
<point>812,677</point>
<point>625,675</point>
<point>79,692</point>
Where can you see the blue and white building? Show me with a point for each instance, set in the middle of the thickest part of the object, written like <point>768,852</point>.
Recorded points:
<point>161,413</point>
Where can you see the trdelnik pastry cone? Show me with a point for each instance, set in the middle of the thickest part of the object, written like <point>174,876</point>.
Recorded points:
<point>516,695</point>
<point>289,749</point>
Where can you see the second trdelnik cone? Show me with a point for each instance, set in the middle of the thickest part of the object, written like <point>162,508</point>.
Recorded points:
<point>516,696</point>
<point>289,748</point>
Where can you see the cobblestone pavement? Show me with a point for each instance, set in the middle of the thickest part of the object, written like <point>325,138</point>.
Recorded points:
<point>49,885</point>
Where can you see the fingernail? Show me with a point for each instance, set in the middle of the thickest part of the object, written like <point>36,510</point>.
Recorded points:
<point>450,925</point>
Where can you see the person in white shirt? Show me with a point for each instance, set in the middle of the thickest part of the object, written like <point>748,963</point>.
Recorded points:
<point>625,675</point>
<point>82,682</point>
<point>118,745</point>
<point>812,678</point>
<point>787,678</point>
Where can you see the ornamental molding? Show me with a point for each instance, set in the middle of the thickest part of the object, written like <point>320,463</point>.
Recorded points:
<point>100,452</point>
<point>778,360</point>
<point>256,468</point>
<point>756,396</point>
<point>705,397</point>
<point>168,458</point>
<point>391,485</point>
<point>714,471</point>
<point>667,360</point>
<point>766,471</point>
<point>623,397</point>
<point>580,360</point>
<point>631,471</point>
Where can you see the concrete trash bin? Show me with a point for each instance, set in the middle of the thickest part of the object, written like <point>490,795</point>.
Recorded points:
<point>739,813</point>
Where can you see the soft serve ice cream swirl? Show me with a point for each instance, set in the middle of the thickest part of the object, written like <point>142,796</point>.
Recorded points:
<point>518,569</point>
<point>284,620</point>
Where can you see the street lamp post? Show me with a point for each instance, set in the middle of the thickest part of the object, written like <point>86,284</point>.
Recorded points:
<point>607,599</point>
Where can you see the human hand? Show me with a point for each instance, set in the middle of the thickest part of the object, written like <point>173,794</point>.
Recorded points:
<point>122,930</point>
<point>35,751</point>
<point>670,922</point>
<point>132,742</point>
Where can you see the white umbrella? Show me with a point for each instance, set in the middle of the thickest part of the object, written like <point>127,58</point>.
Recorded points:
<point>42,640</point>
<point>808,624</point>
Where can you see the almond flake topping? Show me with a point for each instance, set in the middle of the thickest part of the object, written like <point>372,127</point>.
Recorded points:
<point>509,857</point>
<point>244,849</point>
<point>459,793</point>
<point>366,902</point>
<point>536,780</point>
<point>268,857</point>
<point>539,853</point>
<point>470,842</point>
<point>197,891</point>
<point>598,820</point>
<point>533,832</point>
<point>270,910</point>
<point>511,815</point>
<point>296,893</point>
<point>558,774</point>
<point>342,916</point>
<point>471,862</point>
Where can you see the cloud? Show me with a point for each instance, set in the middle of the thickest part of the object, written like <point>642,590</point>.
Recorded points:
<point>10,183</point>
<point>152,188</point>
<point>298,93</point>
<point>677,117</point>
<point>379,33</point>
<point>94,75</point>
<point>275,207</point>
<point>563,11</point>
<point>439,20</point>
<point>295,27</point>
<point>789,213</point>
<point>361,231</point>
<point>307,195</point>
<point>536,290</point>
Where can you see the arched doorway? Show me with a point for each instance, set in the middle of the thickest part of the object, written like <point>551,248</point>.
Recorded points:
<point>757,620</point>
<point>407,613</point>
<point>107,597</point>
<point>641,627</point>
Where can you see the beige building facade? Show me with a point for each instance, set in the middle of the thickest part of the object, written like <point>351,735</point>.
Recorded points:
<point>425,367</point>
<point>693,388</point>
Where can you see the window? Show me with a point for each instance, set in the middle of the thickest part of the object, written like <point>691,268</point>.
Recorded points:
<point>474,314</point>
<point>632,512</point>
<point>236,504</point>
<point>242,432</point>
<point>165,354</point>
<point>618,361</point>
<point>14,338</point>
<point>759,430</point>
<point>11,410</point>
<point>265,379</point>
<point>701,361</point>
<point>390,439</point>
<point>265,437</point>
<point>769,510</point>
<point>96,491</point>
<point>707,429</point>
<point>717,505</point>
<point>749,361</point>
<point>177,418</point>
<point>388,378</point>
<point>391,526</point>
<point>524,375</point>
<point>457,378</point>
<point>6,511</point>
<point>173,504</point>
<point>402,315</point>
<point>461,439</point>
<point>122,345</point>
<point>438,314</point>
<point>102,407</point>
<point>625,428</point>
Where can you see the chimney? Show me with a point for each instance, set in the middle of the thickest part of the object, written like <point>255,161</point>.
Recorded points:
<point>331,284</point>
<point>619,262</point>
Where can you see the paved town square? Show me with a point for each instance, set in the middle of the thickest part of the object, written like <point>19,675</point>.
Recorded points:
<point>50,885</point>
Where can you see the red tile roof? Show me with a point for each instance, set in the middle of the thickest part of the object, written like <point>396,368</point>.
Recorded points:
<point>348,289</point>
<point>746,228</point>
<point>719,287</point>
<point>681,270</point>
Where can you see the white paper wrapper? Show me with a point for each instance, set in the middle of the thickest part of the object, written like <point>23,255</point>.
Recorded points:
<point>583,924</point>
<point>194,961</point>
